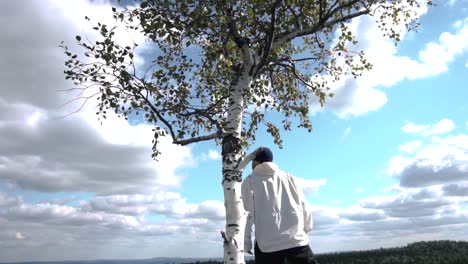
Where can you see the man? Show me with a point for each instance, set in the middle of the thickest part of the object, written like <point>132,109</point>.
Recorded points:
<point>277,207</point>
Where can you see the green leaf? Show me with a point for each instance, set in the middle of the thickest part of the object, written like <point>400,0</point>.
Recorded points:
<point>78,37</point>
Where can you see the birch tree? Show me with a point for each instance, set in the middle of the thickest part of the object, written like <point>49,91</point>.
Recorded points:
<point>220,65</point>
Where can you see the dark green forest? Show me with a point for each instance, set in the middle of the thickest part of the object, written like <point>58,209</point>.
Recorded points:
<point>434,252</point>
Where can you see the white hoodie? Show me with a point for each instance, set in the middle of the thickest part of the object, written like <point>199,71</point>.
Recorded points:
<point>277,206</point>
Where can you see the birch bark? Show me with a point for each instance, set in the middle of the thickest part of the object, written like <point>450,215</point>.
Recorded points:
<point>232,174</point>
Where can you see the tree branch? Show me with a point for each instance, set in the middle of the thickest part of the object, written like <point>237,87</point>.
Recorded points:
<point>86,98</point>
<point>184,142</point>
<point>160,117</point>
<point>279,60</point>
<point>287,36</point>
<point>270,37</point>
<point>234,30</point>
<point>242,42</point>
<point>291,66</point>
<point>305,59</point>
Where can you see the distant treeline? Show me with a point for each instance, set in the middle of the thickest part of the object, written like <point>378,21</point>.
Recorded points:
<point>434,252</point>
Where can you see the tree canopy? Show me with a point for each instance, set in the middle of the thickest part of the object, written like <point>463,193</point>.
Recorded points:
<point>292,49</point>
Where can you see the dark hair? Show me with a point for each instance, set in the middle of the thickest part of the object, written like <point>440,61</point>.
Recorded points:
<point>264,155</point>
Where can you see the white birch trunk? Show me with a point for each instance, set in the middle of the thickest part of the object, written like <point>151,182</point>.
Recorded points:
<point>232,176</point>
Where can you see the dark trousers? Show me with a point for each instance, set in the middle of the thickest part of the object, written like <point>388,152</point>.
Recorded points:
<point>297,255</point>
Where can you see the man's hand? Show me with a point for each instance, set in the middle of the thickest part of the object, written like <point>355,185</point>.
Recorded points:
<point>254,153</point>
<point>248,247</point>
<point>248,158</point>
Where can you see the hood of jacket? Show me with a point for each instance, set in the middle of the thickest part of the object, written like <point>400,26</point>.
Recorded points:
<point>266,169</point>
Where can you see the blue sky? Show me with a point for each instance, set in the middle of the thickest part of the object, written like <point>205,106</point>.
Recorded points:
<point>386,163</point>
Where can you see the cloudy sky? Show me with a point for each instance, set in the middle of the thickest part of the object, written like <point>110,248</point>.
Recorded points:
<point>386,164</point>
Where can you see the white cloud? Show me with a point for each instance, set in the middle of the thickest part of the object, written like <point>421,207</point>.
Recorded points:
<point>8,201</point>
<point>422,212</point>
<point>103,220</point>
<point>443,126</point>
<point>359,189</point>
<point>458,189</point>
<point>214,155</point>
<point>324,217</point>
<point>460,141</point>
<point>73,153</point>
<point>358,213</point>
<point>354,97</point>
<point>211,155</point>
<point>397,164</point>
<point>410,147</point>
<point>69,155</point>
<point>211,209</point>
<point>409,215</point>
<point>39,212</point>
<point>98,11</point>
<point>20,236</point>
<point>170,204</point>
<point>310,186</point>
<point>444,160</point>
<point>180,208</point>
<point>136,204</point>
<point>410,205</point>
<point>412,128</point>
<point>346,133</point>
<point>436,56</point>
